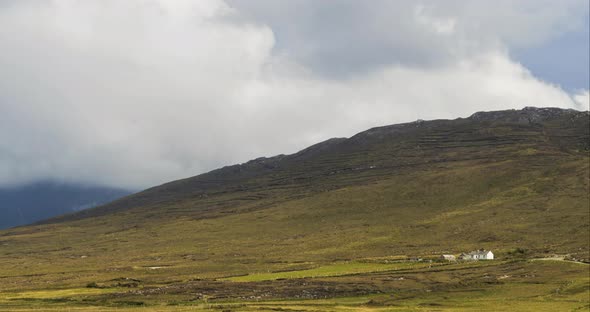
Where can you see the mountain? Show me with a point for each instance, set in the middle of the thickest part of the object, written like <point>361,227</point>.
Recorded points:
<point>514,181</point>
<point>535,136</point>
<point>42,200</point>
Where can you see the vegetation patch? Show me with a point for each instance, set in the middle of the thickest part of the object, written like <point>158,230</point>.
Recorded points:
<point>338,269</point>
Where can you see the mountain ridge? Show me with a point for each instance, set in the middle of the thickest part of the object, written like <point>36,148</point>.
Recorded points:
<point>433,134</point>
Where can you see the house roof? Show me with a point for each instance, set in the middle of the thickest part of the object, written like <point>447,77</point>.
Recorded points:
<point>479,252</point>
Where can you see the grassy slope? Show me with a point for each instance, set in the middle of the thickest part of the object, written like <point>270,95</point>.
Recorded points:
<point>415,189</point>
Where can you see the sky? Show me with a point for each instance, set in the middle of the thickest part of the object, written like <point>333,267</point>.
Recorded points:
<point>136,93</point>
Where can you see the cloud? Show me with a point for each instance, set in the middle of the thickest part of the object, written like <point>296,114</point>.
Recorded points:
<point>582,100</point>
<point>349,36</point>
<point>135,93</point>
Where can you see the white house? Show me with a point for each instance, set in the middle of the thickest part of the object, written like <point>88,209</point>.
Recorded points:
<point>448,257</point>
<point>478,255</point>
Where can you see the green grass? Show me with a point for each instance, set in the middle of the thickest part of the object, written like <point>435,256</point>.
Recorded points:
<point>58,293</point>
<point>337,269</point>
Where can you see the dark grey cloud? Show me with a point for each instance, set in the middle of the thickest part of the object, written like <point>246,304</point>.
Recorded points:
<point>347,37</point>
<point>343,38</point>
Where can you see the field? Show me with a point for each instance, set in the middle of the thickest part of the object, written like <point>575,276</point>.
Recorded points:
<point>517,285</point>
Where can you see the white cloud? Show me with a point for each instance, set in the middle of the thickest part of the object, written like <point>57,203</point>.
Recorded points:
<point>582,100</point>
<point>444,26</point>
<point>136,93</point>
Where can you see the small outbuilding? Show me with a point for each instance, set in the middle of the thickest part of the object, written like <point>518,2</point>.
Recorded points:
<point>448,257</point>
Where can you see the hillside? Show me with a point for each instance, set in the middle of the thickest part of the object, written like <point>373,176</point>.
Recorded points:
<point>514,181</point>
<point>376,154</point>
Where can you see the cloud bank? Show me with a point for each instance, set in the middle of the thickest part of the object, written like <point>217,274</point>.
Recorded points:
<point>136,93</point>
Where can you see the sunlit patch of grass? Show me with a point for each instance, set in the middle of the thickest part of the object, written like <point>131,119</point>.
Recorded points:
<point>56,293</point>
<point>337,269</point>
